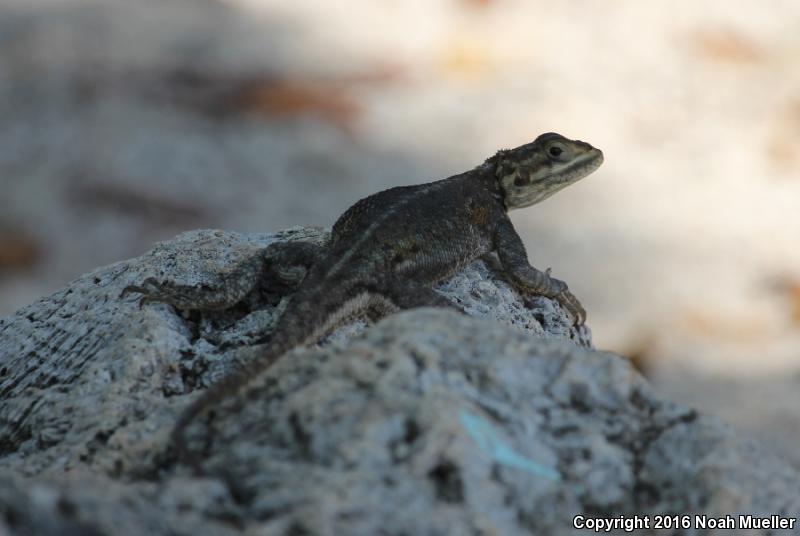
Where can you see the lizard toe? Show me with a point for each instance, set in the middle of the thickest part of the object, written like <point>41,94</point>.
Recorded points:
<point>570,303</point>
<point>130,289</point>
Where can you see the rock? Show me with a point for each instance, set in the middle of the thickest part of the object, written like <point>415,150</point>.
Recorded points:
<point>428,422</point>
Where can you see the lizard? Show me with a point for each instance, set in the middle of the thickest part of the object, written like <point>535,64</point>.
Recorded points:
<point>387,251</point>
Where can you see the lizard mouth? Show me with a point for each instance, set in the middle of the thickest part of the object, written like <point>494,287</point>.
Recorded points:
<point>581,167</point>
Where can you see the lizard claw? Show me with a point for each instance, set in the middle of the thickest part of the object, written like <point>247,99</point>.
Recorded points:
<point>559,291</point>
<point>568,301</point>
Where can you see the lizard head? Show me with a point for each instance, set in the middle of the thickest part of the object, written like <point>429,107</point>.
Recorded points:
<point>535,171</point>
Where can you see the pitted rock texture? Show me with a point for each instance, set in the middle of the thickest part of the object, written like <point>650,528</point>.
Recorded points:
<point>428,422</point>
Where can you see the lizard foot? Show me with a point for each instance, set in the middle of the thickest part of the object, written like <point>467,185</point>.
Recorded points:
<point>558,290</point>
<point>570,303</point>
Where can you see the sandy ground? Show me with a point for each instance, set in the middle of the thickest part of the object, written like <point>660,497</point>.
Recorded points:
<point>125,124</point>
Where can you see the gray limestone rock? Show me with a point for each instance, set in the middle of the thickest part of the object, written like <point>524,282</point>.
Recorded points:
<point>427,423</point>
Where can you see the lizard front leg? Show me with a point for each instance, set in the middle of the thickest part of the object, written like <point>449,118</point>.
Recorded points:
<point>526,278</point>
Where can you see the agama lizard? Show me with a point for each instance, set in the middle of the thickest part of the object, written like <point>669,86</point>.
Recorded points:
<point>388,250</point>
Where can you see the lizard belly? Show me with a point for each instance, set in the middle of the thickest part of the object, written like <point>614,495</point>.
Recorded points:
<point>349,310</point>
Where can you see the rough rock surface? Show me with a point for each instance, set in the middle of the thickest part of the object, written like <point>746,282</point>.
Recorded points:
<point>429,422</point>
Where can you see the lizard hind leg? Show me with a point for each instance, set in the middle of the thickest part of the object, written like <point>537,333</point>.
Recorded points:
<point>230,289</point>
<point>289,262</point>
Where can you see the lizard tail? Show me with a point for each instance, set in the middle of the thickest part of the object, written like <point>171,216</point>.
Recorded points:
<point>226,387</point>
<point>301,323</point>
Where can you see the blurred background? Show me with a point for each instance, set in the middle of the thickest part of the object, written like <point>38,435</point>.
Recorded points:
<point>124,123</point>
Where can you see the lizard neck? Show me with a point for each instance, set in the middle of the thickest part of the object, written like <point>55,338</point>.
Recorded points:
<point>486,176</point>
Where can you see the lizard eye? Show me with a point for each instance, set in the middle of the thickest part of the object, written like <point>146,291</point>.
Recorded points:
<point>555,150</point>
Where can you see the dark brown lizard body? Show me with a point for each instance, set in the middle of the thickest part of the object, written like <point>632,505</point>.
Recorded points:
<point>389,249</point>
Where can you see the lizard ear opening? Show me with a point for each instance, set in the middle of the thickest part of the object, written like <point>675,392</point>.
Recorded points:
<point>502,169</point>
<point>522,177</point>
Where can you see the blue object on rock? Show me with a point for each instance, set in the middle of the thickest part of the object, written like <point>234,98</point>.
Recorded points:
<point>487,439</point>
